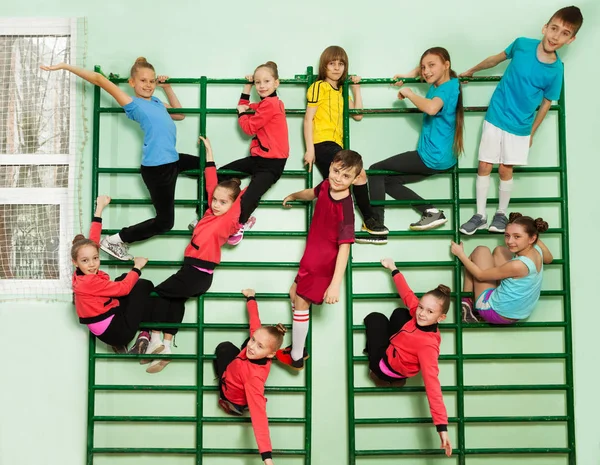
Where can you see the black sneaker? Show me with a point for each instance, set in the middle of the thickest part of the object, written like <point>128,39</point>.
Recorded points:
<point>374,227</point>
<point>378,240</point>
<point>429,220</point>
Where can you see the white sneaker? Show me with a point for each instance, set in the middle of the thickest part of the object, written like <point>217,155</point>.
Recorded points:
<point>155,347</point>
<point>158,365</point>
<point>120,250</point>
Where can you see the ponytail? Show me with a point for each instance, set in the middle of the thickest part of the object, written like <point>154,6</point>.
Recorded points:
<point>459,125</point>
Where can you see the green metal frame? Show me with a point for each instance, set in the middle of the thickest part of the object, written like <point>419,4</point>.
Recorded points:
<point>199,388</point>
<point>460,420</point>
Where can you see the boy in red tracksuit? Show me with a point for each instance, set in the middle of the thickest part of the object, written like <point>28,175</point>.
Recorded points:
<point>269,149</point>
<point>409,342</point>
<point>112,310</point>
<point>201,257</point>
<point>243,374</point>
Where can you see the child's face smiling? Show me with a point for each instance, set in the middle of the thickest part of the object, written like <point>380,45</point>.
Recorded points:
<point>556,34</point>
<point>260,345</point>
<point>516,238</point>
<point>433,69</point>
<point>264,82</point>
<point>429,311</point>
<point>143,83</point>
<point>340,178</point>
<point>88,259</point>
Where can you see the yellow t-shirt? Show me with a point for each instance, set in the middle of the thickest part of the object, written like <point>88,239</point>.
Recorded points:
<point>328,124</point>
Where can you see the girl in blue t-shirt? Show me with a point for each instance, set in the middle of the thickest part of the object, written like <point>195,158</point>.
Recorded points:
<point>507,282</point>
<point>161,164</point>
<point>441,140</point>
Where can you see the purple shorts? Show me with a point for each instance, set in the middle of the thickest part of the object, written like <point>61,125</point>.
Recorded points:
<point>484,308</point>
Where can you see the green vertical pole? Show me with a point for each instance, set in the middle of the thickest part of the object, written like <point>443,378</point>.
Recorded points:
<point>566,279</point>
<point>95,140</point>
<point>200,300</point>
<point>458,335</point>
<point>310,78</point>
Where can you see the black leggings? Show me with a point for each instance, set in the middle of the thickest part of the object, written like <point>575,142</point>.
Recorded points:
<point>413,169</point>
<point>324,153</point>
<point>176,290</point>
<point>379,331</point>
<point>134,308</point>
<point>264,172</point>
<point>225,353</point>
<point>160,181</point>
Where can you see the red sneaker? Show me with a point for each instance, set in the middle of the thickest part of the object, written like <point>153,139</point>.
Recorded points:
<point>285,357</point>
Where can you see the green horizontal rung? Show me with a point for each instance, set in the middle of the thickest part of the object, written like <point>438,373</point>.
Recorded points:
<point>428,420</point>
<point>525,324</point>
<point>186,451</point>
<point>186,388</point>
<point>498,387</point>
<point>162,263</point>
<point>509,356</point>
<point>383,452</point>
<point>286,173</point>
<point>438,264</point>
<point>174,419</point>
<point>187,232</point>
<point>390,295</point>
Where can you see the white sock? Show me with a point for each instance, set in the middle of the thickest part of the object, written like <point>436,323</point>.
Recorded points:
<point>504,191</point>
<point>299,333</point>
<point>482,187</point>
<point>115,239</point>
<point>167,343</point>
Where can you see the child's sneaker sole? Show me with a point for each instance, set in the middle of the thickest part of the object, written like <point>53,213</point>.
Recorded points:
<point>158,350</point>
<point>158,365</point>
<point>433,224</point>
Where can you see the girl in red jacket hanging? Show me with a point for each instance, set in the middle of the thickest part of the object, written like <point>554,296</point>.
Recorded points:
<point>409,342</point>
<point>201,257</point>
<point>269,149</point>
<point>112,310</point>
<point>243,374</point>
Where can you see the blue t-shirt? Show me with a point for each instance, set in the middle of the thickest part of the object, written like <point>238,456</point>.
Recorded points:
<point>437,134</point>
<point>516,297</point>
<point>159,130</point>
<point>525,82</point>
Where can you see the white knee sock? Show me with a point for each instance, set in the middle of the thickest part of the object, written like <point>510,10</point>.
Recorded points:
<point>299,333</point>
<point>504,192</point>
<point>482,186</point>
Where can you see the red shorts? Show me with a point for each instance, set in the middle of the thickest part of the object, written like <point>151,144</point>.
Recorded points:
<point>311,287</point>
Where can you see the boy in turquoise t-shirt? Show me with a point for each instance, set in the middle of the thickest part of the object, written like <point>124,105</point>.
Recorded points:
<point>534,77</point>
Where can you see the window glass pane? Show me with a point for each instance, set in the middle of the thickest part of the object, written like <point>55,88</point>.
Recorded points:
<point>34,176</point>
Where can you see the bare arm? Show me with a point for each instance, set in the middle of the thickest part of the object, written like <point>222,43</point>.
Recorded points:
<point>489,62</point>
<point>413,73</point>
<point>546,254</point>
<point>94,78</point>
<point>332,294</point>
<point>510,269</point>
<point>309,155</point>
<point>171,97</point>
<point>306,194</point>
<point>356,102</point>
<point>539,117</point>
<point>426,105</point>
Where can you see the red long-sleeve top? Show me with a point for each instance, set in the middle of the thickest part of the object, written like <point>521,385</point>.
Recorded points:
<point>268,126</point>
<point>243,383</point>
<point>95,294</point>
<point>212,232</point>
<point>415,348</point>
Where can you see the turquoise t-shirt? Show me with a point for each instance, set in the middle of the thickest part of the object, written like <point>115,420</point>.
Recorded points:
<point>520,91</point>
<point>159,130</point>
<point>516,297</point>
<point>437,134</point>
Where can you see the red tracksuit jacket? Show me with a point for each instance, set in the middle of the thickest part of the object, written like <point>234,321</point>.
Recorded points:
<point>212,232</point>
<point>95,293</point>
<point>412,350</point>
<point>243,383</point>
<point>268,126</point>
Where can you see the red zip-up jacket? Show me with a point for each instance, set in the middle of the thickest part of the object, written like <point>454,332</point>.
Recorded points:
<point>415,348</point>
<point>243,383</point>
<point>212,232</point>
<point>95,294</point>
<point>268,126</point>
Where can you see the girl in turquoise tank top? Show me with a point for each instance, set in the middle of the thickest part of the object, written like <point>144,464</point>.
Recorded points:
<point>506,282</point>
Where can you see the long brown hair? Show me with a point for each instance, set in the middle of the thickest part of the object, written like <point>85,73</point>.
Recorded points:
<point>458,146</point>
<point>332,53</point>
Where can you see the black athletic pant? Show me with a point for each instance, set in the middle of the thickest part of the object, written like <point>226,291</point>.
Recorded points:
<point>264,172</point>
<point>160,181</point>
<point>176,290</point>
<point>225,353</point>
<point>135,307</point>
<point>324,153</point>
<point>412,168</point>
<point>379,331</point>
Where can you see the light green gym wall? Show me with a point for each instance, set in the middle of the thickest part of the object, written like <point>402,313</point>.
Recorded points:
<point>44,368</point>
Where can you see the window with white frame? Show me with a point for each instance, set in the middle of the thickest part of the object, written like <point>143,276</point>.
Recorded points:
<point>38,145</point>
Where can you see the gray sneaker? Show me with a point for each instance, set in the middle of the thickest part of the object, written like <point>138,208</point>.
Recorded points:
<point>499,223</point>
<point>429,220</point>
<point>476,222</point>
<point>120,250</point>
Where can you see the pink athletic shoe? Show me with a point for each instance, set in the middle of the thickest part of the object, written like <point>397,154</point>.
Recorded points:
<point>236,238</point>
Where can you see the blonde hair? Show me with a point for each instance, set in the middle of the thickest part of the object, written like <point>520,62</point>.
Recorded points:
<point>271,66</point>
<point>140,63</point>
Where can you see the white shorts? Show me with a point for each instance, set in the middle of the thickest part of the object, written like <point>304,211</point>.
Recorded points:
<point>500,147</point>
